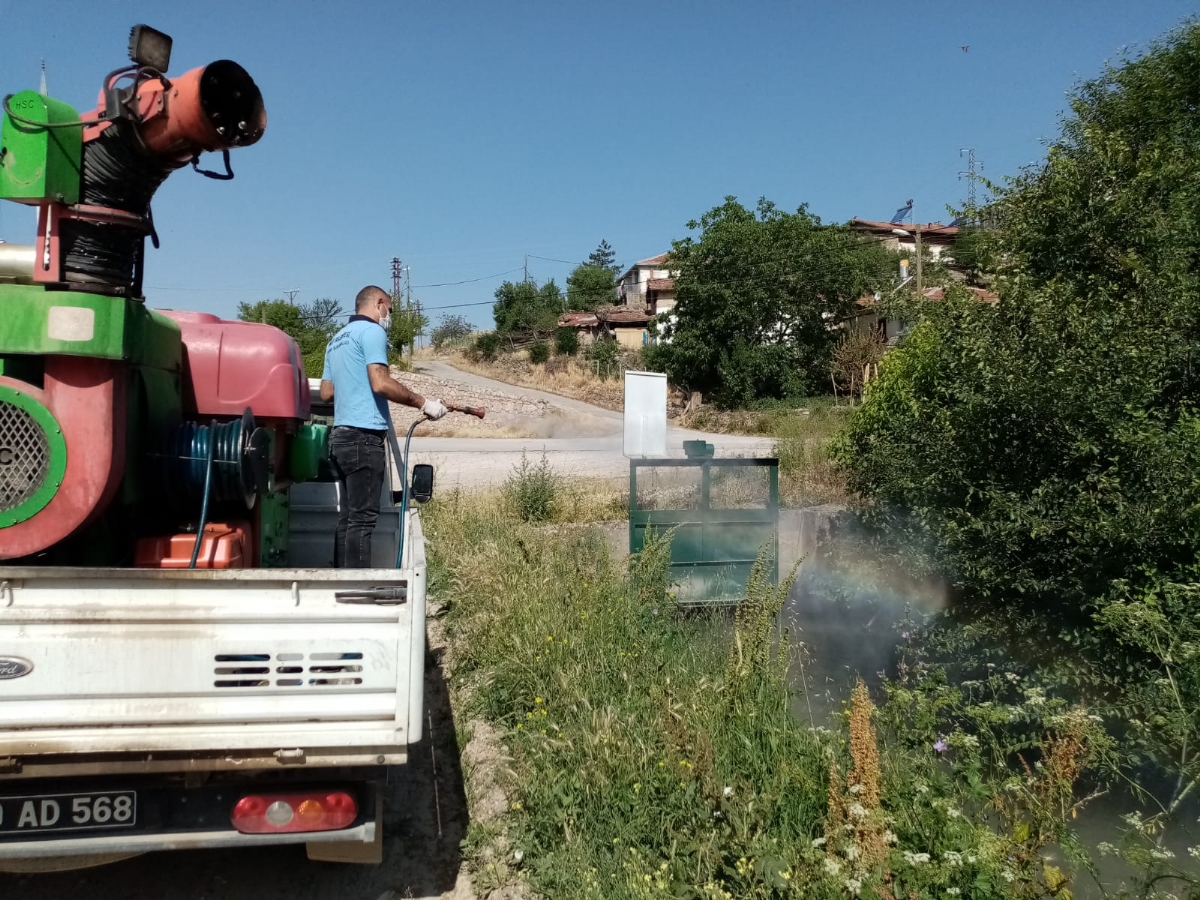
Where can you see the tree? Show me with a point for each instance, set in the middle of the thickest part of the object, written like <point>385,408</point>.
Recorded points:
<point>450,330</point>
<point>757,292</point>
<point>408,323</point>
<point>603,257</point>
<point>1048,447</point>
<point>525,307</point>
<point>589,287</point>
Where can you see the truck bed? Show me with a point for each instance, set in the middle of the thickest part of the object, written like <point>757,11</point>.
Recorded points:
<point>161,670</point>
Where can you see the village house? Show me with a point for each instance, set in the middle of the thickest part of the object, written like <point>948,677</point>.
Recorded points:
<point>645,289</point>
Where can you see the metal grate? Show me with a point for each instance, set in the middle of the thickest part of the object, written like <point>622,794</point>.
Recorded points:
<point>24,456</point>
<point>253,670</point>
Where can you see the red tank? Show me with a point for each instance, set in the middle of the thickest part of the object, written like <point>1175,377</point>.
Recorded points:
<point>230,366</point>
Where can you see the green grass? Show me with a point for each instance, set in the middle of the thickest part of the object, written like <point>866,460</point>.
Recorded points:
<point>641,757</point>
<point>651,753</point>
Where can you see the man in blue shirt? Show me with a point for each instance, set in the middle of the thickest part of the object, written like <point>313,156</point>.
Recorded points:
<point>357,379</point>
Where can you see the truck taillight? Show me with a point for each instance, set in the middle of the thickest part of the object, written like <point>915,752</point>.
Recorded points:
<point>282,813</point>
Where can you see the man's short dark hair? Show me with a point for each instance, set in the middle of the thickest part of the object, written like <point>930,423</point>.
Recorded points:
<point>367,296</point>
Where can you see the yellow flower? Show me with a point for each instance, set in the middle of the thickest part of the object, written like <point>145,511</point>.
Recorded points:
<point>537,700</point>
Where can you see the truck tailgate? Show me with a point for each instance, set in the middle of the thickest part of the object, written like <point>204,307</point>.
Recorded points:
<point>153,661</point>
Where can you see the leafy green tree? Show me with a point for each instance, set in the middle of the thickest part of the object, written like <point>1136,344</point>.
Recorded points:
<point>408,323</point>
<point>566,341</point>
<point>603,257</point>
<point>1043,452</point>
<point>757,292</point>
<point>450,330</point>
<point>523,306</point>
<point>590,287</point>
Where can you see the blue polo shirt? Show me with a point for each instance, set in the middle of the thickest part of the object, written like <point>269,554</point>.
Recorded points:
<point>359,344</point>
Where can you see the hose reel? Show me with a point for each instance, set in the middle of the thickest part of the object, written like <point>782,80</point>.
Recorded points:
<point>240,455</point>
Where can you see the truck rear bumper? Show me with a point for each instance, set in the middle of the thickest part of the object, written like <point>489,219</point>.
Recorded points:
<point>196,840</point>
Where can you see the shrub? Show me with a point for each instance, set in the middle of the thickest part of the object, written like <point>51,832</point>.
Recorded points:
<point>566,341</point>
<point>605,355</point>
<point>533,490</point>
<point>539,353</point>
<point>450,330</point>
<point>487,345</point>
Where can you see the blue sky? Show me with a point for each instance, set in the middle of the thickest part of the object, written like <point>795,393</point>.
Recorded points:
<point>461,136</point>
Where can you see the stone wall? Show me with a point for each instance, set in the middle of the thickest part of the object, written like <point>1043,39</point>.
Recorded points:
<point>503,409</point>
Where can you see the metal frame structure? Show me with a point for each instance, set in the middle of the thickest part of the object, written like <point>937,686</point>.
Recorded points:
<point>714,549</point>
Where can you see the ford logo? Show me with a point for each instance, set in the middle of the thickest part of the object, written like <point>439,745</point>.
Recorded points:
<point>14,667</point>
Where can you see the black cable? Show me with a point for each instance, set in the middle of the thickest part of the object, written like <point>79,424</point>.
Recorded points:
<point>16,118</point>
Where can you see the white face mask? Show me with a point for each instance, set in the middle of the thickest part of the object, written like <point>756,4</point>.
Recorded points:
<point>386,322</point>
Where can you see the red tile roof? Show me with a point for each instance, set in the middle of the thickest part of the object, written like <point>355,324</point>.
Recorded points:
<point>653,260</point>
<point>578,320</point>
<point>932,229</point>
<point>624,317</point>
<point>660,284</point>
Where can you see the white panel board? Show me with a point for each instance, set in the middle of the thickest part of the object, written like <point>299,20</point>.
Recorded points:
<point>645,414</point>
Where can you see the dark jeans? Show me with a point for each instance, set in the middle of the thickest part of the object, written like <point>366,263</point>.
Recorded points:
<point>360,459</point>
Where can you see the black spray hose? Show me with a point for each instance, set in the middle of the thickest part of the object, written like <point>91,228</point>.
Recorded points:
<point>208,469</point>
<point>402,465</point>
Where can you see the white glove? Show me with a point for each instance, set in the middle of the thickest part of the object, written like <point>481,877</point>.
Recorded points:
<point>434,409</point>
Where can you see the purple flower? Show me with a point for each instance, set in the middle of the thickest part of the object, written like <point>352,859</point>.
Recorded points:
<point>940,745</point>
<point>904,634</point>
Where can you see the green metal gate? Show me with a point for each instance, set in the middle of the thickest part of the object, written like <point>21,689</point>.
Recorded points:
<point>716,542</point>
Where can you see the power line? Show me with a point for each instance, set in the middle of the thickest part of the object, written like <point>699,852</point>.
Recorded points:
<point>468,280</point>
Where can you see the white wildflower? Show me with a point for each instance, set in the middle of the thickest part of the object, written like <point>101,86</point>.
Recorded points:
<point>922,789</point>
<point>1161,854</point>
<point>847,827</point>
<point>728,792</point>
<point>518,855</point>
<point>852,852</point>
<point>915,859</point>
<point>952,812</point>
<point>1194,851</point>
<point>818,842</point>
<point>970,858</point>
<point>953,892</point>
<point>856,789</point>
<point>832,866</point>
<point>857,811</point>
<point>1008,875</point>
<point>854,885</point>
<point>954,859</point>
<point>1012,677</point>
<point>889,837</point>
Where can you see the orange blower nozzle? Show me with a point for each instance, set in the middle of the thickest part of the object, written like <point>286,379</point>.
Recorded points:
<point>214,107</point>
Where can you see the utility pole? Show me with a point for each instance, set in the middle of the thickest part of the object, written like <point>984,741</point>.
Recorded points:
<point>397,268</point>
<point>920,283</point>
<point>412,335</point>
<point>292,292</point>
<point>972,211</point>
<point>526,279</point>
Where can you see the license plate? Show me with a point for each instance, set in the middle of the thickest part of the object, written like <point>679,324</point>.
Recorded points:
<point>67,812</point>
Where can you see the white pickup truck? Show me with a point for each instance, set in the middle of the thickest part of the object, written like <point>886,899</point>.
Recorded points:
<point>168,709</point>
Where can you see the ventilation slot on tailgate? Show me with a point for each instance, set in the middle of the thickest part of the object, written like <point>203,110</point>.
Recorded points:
<point>253,670</point>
